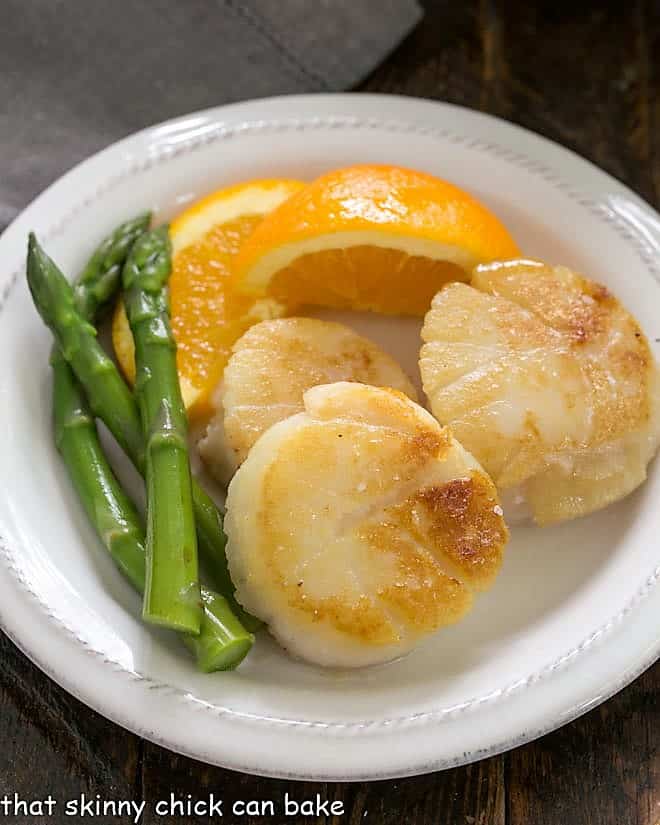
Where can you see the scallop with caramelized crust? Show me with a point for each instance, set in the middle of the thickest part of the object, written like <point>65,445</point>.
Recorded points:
<point>549,381</point>
<point>359,526</point>
<point>271,367</point>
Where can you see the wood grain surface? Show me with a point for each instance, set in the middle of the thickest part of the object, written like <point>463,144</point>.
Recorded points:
<point>588,76</point>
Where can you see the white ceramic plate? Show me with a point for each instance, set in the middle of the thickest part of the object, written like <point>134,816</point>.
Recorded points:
<point>575,613</point>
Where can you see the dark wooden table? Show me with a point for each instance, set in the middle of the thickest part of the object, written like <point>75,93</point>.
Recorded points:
<point>586,75</point>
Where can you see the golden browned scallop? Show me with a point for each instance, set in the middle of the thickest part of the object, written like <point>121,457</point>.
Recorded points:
<point>360,526</point>
<point>271,367</point>
<point>548,381</point>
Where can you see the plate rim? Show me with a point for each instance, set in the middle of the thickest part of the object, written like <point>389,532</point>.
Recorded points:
<point>219,114</point>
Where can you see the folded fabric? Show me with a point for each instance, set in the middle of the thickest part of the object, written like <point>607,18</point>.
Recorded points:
<point>75,76</point>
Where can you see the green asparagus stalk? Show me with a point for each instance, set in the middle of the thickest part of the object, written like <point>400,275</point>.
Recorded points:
<point>171,596</point>
<point>111,400</point>
<point>75,430</point>
<point>106,504</point>
<point>108,507</point>
<point>222,642</point>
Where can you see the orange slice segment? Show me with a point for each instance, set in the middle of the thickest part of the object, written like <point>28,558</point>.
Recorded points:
<point>370,237</point>
<point>207,315</point>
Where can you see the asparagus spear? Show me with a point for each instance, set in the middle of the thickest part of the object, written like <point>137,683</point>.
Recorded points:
<point>101,278</point>
<point>171,595</point>
<point>110,398</point>
<point>113,515</point>
<point>222,642</point>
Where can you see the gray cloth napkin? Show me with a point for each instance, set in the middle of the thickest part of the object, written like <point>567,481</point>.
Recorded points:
<point>75,75</point>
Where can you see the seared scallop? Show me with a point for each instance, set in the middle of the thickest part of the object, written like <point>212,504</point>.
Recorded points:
<point>548,381</point>
<point>271,367</point>
<point>359,526</point>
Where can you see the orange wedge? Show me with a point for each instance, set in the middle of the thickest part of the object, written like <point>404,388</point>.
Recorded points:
<point>207,316</point>
<point>370,237</point>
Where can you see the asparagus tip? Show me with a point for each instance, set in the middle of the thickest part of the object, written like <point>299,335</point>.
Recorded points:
<point>33,247</point>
